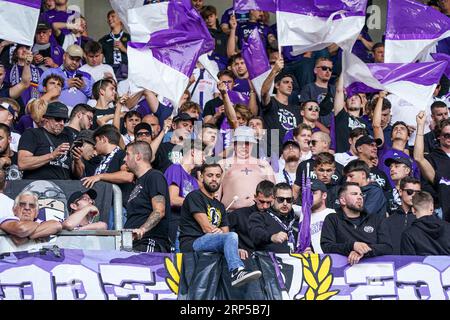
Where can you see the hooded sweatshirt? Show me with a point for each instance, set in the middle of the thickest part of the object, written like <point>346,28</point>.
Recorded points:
<point>427,236</point>
<point>374,199</point>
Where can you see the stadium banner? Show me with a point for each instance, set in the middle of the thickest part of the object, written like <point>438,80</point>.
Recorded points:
<point>112,275</point>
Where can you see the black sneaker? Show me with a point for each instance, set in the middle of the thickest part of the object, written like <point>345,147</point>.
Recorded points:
<point>241,277</point>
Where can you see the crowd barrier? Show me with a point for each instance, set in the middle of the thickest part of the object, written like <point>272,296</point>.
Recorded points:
<point>69,274</point>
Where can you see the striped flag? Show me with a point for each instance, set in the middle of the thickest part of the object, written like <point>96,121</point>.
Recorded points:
<point>311,25</point>
<point>19,20</point>
<point>412,31</point>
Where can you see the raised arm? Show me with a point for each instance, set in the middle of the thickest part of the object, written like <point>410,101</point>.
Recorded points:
<point>253,102</point>
<point>25,82</point>
<point>339,99</point>
<point>229,107</point>
<point>267,84</point>
<point>231,44</point>
<point>376,121</point>
<point>425,167</point>
<point>152,100</point>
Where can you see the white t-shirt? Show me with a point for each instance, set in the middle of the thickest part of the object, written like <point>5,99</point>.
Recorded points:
<point>15,137</point>
<point>6,213</point>
<point>344,158</point>
<point>280,177</point>
<point>205,89</point>
<point>98,72</point>
<point>317,220</point>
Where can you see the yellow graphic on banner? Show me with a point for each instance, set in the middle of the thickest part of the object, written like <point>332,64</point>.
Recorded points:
<point>173,268</point>
<point>316,274</point>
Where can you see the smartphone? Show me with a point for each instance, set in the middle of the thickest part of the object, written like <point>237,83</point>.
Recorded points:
<point>77,144</point>
<point>79,75</point>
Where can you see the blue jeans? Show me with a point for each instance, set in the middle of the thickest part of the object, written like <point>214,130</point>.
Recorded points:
<point>226,243</point>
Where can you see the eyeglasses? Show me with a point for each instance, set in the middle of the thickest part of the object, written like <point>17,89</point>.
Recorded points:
<point>313,143</point>
<point>311,108</point>
<point>446,135</point>
<point>91,118</point>
<point>143,134</point>
<point>324,68</point>
<point>29,204</point>
<point>227,81</point>
<point>59,119</point>
<point>410,192</point>
<point>283,199</point>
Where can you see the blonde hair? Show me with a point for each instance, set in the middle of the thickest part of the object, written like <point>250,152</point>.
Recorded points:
<point>37,108</point>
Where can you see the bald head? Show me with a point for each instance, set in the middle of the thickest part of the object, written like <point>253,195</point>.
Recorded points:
<point>320,142</point>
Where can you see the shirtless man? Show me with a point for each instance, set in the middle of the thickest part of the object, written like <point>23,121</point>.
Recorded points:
<point>242,171</point>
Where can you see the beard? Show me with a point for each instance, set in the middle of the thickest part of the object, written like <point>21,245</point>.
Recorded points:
<point>211,189</point>
<point>355,208</point>
<point>292,158</point>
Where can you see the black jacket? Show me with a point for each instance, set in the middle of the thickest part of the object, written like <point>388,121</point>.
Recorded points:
<point>262,226</point>
<point>339,233</point>
<point>239,222</point>
<point>398,222</point>
<point>428,235</point>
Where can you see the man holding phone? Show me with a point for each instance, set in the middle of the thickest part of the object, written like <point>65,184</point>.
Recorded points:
<point>77,84</point>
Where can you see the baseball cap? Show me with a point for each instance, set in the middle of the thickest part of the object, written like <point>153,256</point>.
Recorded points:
<point>367,140</point>
<point>78,194</point>
<point>398,159</point>
<point>290,142</point>
<point>142,126</point>
<point>244,134</point>
<point>75,51</point>
<point>183,117</point>
<point>316,184</point>
<point>42,25</point>
<point>57,110</point>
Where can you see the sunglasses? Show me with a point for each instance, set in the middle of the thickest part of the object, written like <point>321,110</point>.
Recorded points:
<point>143,134</point>
<point>323,68</point>
<point>264,202</point>
<point>29,204</point>
<point>283,199</point>
<point>312,143</point>
<point>410,192</point>
<point>446,135</point>
<point>310,108</point>
<point>59,119</point>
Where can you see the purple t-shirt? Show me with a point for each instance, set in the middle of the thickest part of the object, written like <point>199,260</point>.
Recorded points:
<point>175,174</point>
<point>386,153</point>
<point>242,85</point>
<point>290,134</point>
<point>245,29</point>
<point>54,15</point>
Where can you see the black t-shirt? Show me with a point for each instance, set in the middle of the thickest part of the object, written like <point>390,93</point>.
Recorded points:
<point>40,142</point>
<point>166,156</point>
<point>210,110</point>
<point>220,40</point>
<point>196,202</point>
<point>71,132</point>
<point>308,167</point>
<point>4,91</point>
<point>282,117</point>
<point>139,206</point>
<point>12,171</point>
<point>345,123</point>
<point>98,113</point>
<point>107,43</point>
<point>91,165</point>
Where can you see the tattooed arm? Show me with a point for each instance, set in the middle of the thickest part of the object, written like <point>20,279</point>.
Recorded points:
<point>159,211</point>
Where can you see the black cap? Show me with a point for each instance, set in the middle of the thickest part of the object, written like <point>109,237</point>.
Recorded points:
<point>290,142</point>
<point>316,184</point>
<point>367,140</point>
<point>282,75</point>
<point>43,25</point>
<point>57,110</point>
<point>86,136</point>
<point>142,125</point>
<point>398,159</point>
<point>78,194</point>
<point>183,117</point>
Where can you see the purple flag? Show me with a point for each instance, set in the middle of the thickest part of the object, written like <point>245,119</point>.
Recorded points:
<point>413,29</point>
<point>443,57</point>
<point>265,5</point>
<point>304,232</point>
<point>255,57</point>
<point>166,62</point>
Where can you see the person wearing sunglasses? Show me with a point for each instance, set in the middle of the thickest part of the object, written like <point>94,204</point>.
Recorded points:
<point>353,232</point>
<point>44,152</point>
<point>428,235</point>
<point>435,167</point>
<point>239,219</point>
<point>402,217</point>
<point>275,230</point>
<point>25,225</point>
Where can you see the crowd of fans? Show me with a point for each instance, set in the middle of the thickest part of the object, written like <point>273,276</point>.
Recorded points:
<point>214,166</point>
